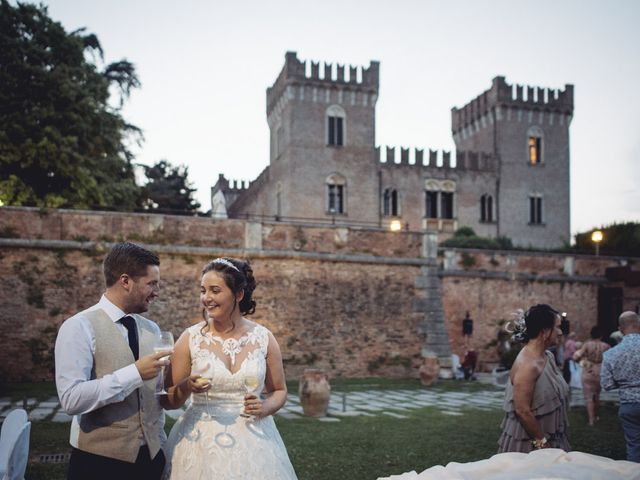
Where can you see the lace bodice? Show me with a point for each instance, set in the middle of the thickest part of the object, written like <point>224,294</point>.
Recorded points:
<point>246,356</point>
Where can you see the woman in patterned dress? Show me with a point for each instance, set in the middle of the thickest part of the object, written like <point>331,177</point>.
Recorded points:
<point>590,358</point>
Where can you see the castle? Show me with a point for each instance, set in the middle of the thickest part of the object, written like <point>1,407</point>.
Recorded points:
<point>508,177</point>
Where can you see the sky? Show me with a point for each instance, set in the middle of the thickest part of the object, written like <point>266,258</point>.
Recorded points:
<point>205,66</point>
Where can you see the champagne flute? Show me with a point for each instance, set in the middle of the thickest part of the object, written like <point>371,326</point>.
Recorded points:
<point>164,343</point>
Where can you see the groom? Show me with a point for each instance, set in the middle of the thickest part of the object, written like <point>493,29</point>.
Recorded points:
<point>106,372</point>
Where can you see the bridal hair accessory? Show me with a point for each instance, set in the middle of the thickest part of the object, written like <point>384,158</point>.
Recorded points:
<point>227,263</point>
<point>517,327</point>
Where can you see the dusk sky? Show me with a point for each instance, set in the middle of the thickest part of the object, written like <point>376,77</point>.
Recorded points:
<point>205,67</point>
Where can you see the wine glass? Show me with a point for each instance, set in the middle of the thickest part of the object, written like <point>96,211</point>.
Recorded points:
<point>251,384</point>
<point>163,343</point>
<point>206,378</point>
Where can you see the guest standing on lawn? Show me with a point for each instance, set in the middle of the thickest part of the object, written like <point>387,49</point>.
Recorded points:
<point>536,397</point>
<point>621,370</point>
<point>590,358</point>
<point>106,372</point>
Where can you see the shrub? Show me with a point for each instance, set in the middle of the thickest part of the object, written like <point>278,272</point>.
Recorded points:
<point>465,237</point>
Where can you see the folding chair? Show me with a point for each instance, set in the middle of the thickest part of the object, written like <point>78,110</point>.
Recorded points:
<point>13,424</point>
<point>16,428</point>
<point>19,455</point>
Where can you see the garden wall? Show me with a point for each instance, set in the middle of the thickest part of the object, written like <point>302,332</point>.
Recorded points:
<point>348,300</point>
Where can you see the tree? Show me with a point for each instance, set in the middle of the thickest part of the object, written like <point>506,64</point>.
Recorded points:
<point>617,239</point>
<point>168,189</point>
<point>61,143</point>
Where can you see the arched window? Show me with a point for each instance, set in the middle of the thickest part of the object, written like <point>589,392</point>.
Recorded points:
<point>432,189</point>
<point>336,194</point>
<point>336,122</point>
<point>390,205</point>
<point>535,145</point>
<point>486,208</point>
<point>446,199</point>
<point>536,213</point>
<point>439,199</point>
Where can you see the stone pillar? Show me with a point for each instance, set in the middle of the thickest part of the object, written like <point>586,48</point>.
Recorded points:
<point>569,266</point>
<point>429,287</point>
<point>253,236</point>
<point>430,246</point>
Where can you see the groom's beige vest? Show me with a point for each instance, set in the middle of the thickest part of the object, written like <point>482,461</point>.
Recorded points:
<point>117,430</point>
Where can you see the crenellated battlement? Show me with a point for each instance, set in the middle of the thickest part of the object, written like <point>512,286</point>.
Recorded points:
<point>502,94</point>
<point>464,160</point>
<point>237,192</point>
<point>323,75</point>
<point>234,186</point>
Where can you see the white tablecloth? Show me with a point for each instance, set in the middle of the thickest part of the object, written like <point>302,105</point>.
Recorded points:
<point>547,464</point>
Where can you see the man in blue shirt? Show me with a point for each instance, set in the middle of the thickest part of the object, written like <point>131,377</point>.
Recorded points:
<point>621,370</point>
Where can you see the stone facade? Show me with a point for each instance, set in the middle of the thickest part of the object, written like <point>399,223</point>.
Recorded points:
<point>491,134</point>
<point>354,301</point>
<point>501,123</point>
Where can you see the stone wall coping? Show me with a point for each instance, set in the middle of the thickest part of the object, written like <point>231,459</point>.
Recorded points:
<point>109,213</point>
<point>210,251</point>
<point>523,276</point>
<point>536,253</point>
<point>264,220</point>
<point>354,227</point>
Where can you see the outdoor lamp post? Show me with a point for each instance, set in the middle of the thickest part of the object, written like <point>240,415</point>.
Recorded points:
<point>596,237</point>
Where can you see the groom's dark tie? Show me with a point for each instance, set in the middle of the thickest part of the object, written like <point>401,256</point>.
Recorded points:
<point>130,325</point>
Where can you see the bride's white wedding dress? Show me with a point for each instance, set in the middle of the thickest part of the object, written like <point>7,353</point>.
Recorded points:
<point>211,440</point>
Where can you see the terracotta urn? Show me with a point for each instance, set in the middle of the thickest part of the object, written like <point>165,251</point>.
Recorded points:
<point>429,370</point>
<point>314,392</point>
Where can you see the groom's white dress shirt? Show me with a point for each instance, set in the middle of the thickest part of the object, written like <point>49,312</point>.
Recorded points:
<point>74,351</point>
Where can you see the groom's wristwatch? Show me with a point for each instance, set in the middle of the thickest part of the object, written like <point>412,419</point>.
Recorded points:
<point>539,443</point>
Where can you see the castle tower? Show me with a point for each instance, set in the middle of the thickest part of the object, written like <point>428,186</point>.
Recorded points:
<point>322,123</point>
<point>527,130</point>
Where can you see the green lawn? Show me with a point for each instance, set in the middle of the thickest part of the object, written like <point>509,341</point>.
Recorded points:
<point>367,447</point>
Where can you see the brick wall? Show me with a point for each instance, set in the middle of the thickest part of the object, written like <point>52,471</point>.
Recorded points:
<point>343,299</point>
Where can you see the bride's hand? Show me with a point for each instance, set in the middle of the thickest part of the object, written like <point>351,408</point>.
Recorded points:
<point>252,405</point>
<point>197,384</point>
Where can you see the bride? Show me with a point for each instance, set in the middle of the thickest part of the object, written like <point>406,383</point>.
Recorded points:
<point>224,363</point>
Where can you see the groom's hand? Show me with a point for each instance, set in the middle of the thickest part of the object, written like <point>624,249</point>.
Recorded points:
<point>150,365</point>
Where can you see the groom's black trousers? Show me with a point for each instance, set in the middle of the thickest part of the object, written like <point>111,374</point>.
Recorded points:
<point>88,466</point>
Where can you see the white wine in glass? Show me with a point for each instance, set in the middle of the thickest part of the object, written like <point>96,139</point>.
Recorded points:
<point>251,383</point>
<point>164,343</point>
<point>203,381</point>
